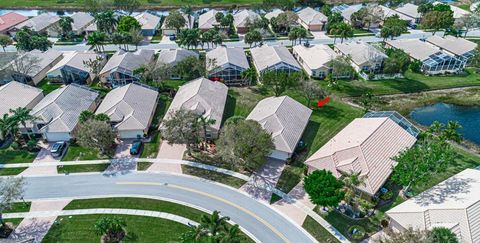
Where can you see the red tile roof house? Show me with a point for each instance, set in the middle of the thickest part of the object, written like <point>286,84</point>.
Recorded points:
<point>9,20</point>
<point>366,145</point>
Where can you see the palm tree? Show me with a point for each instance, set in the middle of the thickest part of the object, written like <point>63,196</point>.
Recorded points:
<point>217,39</point>
<point>301,34</point>
<point>230,235</point>
<point>188,11</point>
<point>22,115</point>
<point>106,21</point>
<point>344,31</point>
<point>8,126</point>
<point>136,37</point>
<point>351,181</point>
<point>249,74</point>
<point>213,223</point>
<point>205,122</point>
<point>207,37</point>
<point>451,131</point>
<point>66,25</point>
<point>95,40</point>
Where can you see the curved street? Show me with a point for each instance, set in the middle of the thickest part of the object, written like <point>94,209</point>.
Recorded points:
<point>265,223</point>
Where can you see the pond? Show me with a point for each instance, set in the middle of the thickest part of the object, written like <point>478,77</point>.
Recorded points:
<point>467,116</point>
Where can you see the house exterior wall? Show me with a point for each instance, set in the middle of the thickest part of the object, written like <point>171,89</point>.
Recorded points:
<point>149,32</point>
<point>126,134</point>
<point>169,31</point>
<point>280,155</point>
<point>57,136</point>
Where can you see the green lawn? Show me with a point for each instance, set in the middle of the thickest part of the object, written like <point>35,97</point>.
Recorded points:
<point>145,4</point>
<point>317,231</point>
<point>19,207</point>
<point>142,166</point>
<point>62,169</point>
<point>12,156</point>
<point>76,152</point>
<point>342,223</point>
<point>413,82</point>
<point>44,84</point>
<point>241,101</point>
<point>150,149</point>
<point>213,176</point>
<point>79,228</point>
<point>11,171</point>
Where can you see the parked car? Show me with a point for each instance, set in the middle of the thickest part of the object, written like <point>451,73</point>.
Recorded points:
<point>136,147</point>
<point>173,37</point>
<point>58,148</point>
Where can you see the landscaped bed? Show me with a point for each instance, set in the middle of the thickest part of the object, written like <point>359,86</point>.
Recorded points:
<point>13,156</point>
<point>142,165</point>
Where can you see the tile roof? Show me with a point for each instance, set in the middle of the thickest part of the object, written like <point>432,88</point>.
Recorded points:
<point>131,106</point>
<point>267,56</point>
<point>360,52</point>
<point>201,96</point>
<point>11,19</point>
<point>417,49</point>
<point>81,20</point>
<point>226,55</point>
<point>242,18</point>
<point>366,145</point>
<point>283,117</point>
<point>311,16</point>
<point>40,22</point>
<point>128,60</point>
<point>273,13</point>
<point>173,56</point>
<point>388,12</point>
<point>347,13</point>
<point>147,20</point>
<point>15,94</point>
<point>207,20</point>
<point>61,108</point>
<point>455,45</point>
<point>315,56</point>
<point>410,10</point>
<point>42,59</point>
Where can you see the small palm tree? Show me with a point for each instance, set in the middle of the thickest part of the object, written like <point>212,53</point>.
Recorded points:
<point>249,75</point>
<point>188,10</point>
<point>66,25</point>
<point>352,180</point>
<point>96,41</point>
<point>344,31</point>
<point>111,229</point>
<point>205,122</point>
<point>22,115</point>
<point>230,235</point>
<point>213,223</point>
<point>451,131</point>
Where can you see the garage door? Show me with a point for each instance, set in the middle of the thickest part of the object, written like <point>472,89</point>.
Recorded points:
<point>280,155</point>
<point>57,136</point>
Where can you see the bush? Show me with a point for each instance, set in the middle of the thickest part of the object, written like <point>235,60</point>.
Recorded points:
<point>386,196</point>
<point>32,145</point>
<point>416,66</point>
<point>357,232</point>
<point>15,145</point>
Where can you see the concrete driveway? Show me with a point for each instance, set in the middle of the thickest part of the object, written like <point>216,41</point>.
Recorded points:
<point>264,180</point>
<point>319,34</point>
<point>123,149</point>
<point>167,151</point>
<point>43,156</point>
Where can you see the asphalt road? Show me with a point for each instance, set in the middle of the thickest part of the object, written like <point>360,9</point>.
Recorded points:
<point>266,224</point>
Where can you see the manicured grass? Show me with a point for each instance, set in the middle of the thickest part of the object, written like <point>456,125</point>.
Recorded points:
<point>173,83</point>
<point>44,84</point>
<point>150,149</point>
<point>142,166</point>
<point>213,176</point>
<point>342,223</point>
<point>13,156</point>
<point>413,82</point>
<point>241,101</point>
<point>317,231</point>
<point>76,152</point>
<point>82,168</point>
<point>11,171</point>
<point>19,207</point>
<point>79,228</point>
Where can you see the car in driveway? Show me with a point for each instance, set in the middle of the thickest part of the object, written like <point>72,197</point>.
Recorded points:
<point>136,147</point>
<point>58,149</point>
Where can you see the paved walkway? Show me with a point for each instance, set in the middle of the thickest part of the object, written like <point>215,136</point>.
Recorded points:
<point>167,151</point>
<point>261,184</point>
<point>43,156</point>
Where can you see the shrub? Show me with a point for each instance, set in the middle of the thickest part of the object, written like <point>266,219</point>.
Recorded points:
<point>386,196</point>
<point>357,232</point>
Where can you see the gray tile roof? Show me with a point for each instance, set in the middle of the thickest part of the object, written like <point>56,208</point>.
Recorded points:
<point>267,56</point>
<point>273,13</point>
<point>147,20</point>
<point>81,20</point>
<point>40,22</point>
<point>173,56</point>
<point>455,45</point>
<point>224,55</point>
<point>242,18</point>
<point>283,117</point>
<point>15,94</point>
<point>415,48</point>
<point>201,96</point>
<point>409,9</point>
<point>360,52</point>
<point>61,108</point>
<point>43,59</point>
<point>311,16</point>
<point>207,20</point>
<point>77,61</point>
<point>129,60</point>
<point>131,106</point>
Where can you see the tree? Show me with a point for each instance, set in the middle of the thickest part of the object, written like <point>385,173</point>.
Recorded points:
<point>95,66</point>
<point>351,181</point>
<point>297,33</point>
<point>65,24</point>
<point>28,40</point>
<point>279,81</point>
<point>392,27</point>
<point>175,20</point>
<point>245,143</point>
<point>253,36</point>
<point>366,100</point>
<point>341,67</point>
<point>326,10</point>
<point>358,18</point>
<point>397,62</point>
<point>135,37</point>
<point>190,68</point>
<point>182,127</point>
<point>96,41</point>
<point>188,10</point>
<point>22,115</point>
<point>5,41</point>
<point>189,38</point>
<point>284,21</point>
<point>7,126</point>
<point>374,15</point>
<point>88,115</point>
<point>333,19</point>
<point>96,134</point>
<point>344,31</point>
<point>112,229</point>
<point>437,20</point>
<point>11,190</point>
<point>127,5</point>
<point>408,235</point>
<point>106,21</point>
<point>128,23</point>
<point>425,8</point>
<point>442,235</point>
<point>311,90</point>
<point>249,75</point>
<point>468,22</point>
<point>205,122</point>
<point>323,188</point>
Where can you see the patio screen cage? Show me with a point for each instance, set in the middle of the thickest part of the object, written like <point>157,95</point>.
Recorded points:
<point>442,62</point>
<point>397,118</point>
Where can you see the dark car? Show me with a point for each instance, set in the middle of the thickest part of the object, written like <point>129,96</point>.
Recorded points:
<point>58,148</point>
<point>136,147</point>
<point>173,37</point>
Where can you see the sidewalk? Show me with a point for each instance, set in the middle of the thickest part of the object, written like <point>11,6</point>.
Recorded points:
<point>167,151</point>
<point>260,184</point>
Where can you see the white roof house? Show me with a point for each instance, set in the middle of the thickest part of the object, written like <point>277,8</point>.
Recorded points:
<point>311,19</point>
<point>203,97</point>
<point>314,58</point>
<point>452,204</point>
<point>455,45</point>
<point>81,21</point>
<point>268,58</point>
<point>55,72</point>
<point>33,66</point>
<point>173,56</point>
<point>207,20</point>
<point>189,21</point>
<point>388,12</point>
<point>415,48</point>
<point>39,23</point>
<point>59,111</point>
<point>273,14</point>
<point>227,64</point>
<point>363,55</point>
<point>130,108</point>
<point>365,146</point>
<point>242,19</point>
<point>409,9</point>
<point>285,119</point>
<point>75,61</point>
<point>14,95</point>
<point>148,21</point>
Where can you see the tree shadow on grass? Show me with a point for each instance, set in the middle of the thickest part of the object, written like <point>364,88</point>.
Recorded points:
<point>229,107</point>
<point>405,85</point>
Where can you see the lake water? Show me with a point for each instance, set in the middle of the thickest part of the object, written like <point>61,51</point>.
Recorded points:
<point>467,116</point>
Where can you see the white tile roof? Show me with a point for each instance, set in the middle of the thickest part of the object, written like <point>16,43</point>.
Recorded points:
<point>360,52</point>
<point>61,108</point>
<point>410,10</point>
<point>273,13</point>
<point>366,145</point>
<point>226,55</point>
<point>147,20</point>
<point>201,96</point>
<point>131,106</point>
<point>267,56</point>
<point>43,59</point>
<point>207,20</point>
<point>311,16</point>
<point>283,117</point>
<point>455,201</point>
<point>15,94</point>
<point>347,13</point>
<point>417,49</point>
<point>129,60</point>
<point>67,55</point>
<point>173,56</point>
<point>40,22</point>
<point>243,17</point>
<point>388,12</point>
<point>315,56</point>
<point>81,20</point>
<point>455,45</point>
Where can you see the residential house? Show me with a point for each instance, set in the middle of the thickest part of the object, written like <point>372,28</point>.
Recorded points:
<point>189,21</point>
<point>315,59</point>
<point>348,10</point>
<point>388,12</point>
<point>32,67</point>
<point>207,20</point>
<point>458,13</point>
<point>149,23</point>
<point>5,70</point>
<point>10,20</point>
<point>410,10</point>
<point>311,19</point>
<point>74,68</point>
<point>55,73</point>
<point>171,57</point>
<point>81,21</point>
<point>273,58</point>
<point>433,59</point>
<point>363,56</point>
<point>226,64</point>
<point>120,69</point>
<point>59,111</point>
<point>43,23</point>
<point>131,109</point>
<point>17,95</point>
<point>453,204</point>
<point>243,19</point>
<point>285,119</point>
<point>203,97</point>
<point>273,14</point>
<point>365,146</point>
<point>459,47</point>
